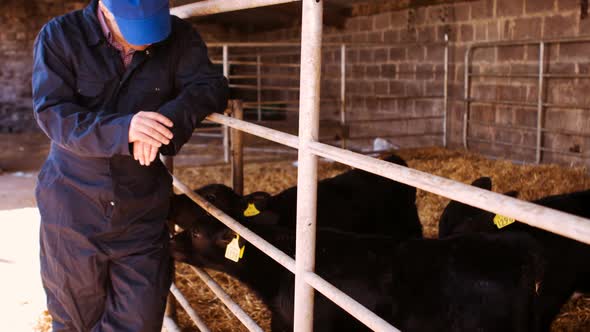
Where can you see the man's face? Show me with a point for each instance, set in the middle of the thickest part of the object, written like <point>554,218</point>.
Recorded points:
<point>115,28</point>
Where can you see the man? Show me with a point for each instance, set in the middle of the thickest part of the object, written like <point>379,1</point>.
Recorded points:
<point>114,85</point>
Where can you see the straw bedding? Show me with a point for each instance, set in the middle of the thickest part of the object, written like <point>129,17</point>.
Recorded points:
<point>531,181</point>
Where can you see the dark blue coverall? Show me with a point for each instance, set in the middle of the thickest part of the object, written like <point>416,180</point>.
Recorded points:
<point>105,263</point>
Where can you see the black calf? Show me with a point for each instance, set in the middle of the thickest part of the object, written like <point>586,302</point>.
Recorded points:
<point>475,282</point>
<point>355,201</point>
<point>368,280</point>
<point>567,260</point>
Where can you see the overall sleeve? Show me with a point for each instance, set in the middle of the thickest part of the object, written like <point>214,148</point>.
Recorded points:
<point>71,126</point>
<point>202,90</point>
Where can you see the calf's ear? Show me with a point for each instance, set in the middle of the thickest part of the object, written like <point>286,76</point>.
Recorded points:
<point>253,204</point>
<point>483,182</point>
<point>225,237</point>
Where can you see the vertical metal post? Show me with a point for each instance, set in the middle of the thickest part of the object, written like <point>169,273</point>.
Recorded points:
<point>309,101</point>
<point>225,129</point>
<point>540,101</point>
<point>170,312</point>
<point>259,87</point>
<point>446,90</point>
<point>237,154</point>
<point>466,94</point>
<point>343,95</point>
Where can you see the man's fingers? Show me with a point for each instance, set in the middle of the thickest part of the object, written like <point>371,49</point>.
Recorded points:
<point>136,150</point>
<point>154,125</point>
<point>141,137</point>
<point>155,135</point>
<point>158,117</point>
<point>146,154</point>
<point>153,153</point>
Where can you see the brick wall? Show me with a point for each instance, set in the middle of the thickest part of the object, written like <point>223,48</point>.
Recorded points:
<point>376,74</point>
<point>417,71</point>
<point>20,21</point>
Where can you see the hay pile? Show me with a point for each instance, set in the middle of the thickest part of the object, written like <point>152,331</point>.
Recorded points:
<point>532,182</point>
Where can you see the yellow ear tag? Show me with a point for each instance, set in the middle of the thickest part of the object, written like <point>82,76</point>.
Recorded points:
<point>251,210</point>
<point>501,221</point>
<point>233,251</point>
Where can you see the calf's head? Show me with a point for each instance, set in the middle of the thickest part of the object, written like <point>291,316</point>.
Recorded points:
<point>185,213</point>
<point>459,218</point>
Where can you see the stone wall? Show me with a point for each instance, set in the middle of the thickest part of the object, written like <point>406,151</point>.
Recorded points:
<point>400,70</point>
<point>399,77</point>
<point>20,21</point>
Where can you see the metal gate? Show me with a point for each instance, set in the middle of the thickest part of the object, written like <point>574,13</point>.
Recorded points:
<point>309,149</point>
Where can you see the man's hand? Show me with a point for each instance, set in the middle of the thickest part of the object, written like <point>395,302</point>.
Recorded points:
<point>150,128</point>
<point>144,153</point>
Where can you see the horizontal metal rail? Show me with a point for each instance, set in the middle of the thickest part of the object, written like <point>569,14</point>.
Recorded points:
<point>523,104</point>
<point>578,39</point>
<point>529,76</point>
<point>501,102</point>
<point>558,222</point>
<point>273,102</point>
<point>298,44</point>
<point>396,119</point>
<point>526,147</point>
<point>274,108</point>
<point>397,136</point>
<point>254,63</point>
<point>264,77</point>
<point>405,97</point>
<point>517,128</point>
<point>270,134</point>
<point>189,310</point>
<point>267,88</point>
<point>210,7</point>
<point>346,302</point>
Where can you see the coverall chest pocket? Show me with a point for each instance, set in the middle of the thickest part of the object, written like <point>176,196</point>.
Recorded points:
<point>90,92</point>
<point>150,93</point>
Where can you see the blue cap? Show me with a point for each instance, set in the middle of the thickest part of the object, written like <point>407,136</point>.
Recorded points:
<point>141,21</point>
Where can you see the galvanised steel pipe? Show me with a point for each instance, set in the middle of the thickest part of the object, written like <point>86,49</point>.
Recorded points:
<point>210,7</point>
<point>325,45</point>
<point>189,310</point>
<point>343,92</point>
<point>237,150</point>
<point>170,325</point>
<point>535,215</point>
<point>240,314</point>
<point>446,90</point>
<point>309,116</point>
<point>225,129</point>
<point>237,227</point>
<point>257,130</point>
<point>540,97</point>
<point>526,147</point>
<point>361,313</point>
<point>466,91</point>
<point>258,88</point>
<point>558,222</point>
